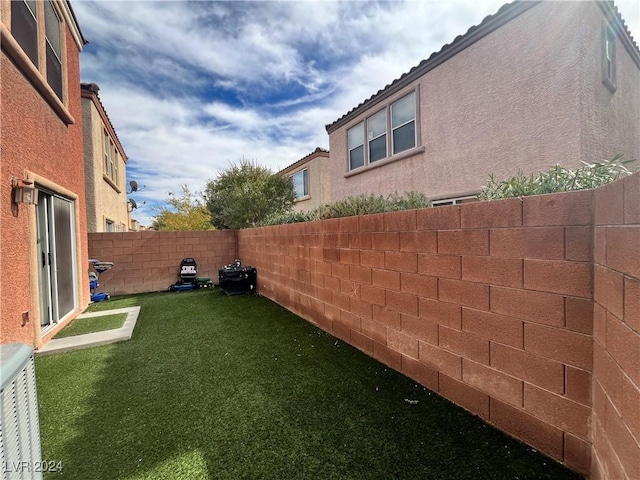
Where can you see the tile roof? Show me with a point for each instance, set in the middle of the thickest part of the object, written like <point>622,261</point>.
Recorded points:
<point>303,160</point>
<point>92,90</point>
<point>490,23</point>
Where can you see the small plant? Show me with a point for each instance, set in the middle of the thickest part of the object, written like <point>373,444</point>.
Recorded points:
<point>557,179</point>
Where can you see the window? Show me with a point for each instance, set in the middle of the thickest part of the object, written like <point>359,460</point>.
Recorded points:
<point>397,121</point>
<point>109,226</point>
<point>35,42</point>
<point>377,132</point>
<point>356,146</point>
<point>54,48</point>
<point>609,59</point>
<point>24,27</point>
<point>454,201</point>
<point>301,183</point>
<point>110,160</point>
<point>403,123</point>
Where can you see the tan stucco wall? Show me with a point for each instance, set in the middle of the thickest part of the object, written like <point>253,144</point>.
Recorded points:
<point>103,200</point>
<point>319,183</point>
<point>525,97</point>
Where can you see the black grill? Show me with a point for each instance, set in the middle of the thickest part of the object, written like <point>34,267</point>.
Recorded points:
<point>236,279</point>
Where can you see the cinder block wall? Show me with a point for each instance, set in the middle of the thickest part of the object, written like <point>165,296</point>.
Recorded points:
<point>489,304</point>
<point>150,261</point>
<point>616,364</point>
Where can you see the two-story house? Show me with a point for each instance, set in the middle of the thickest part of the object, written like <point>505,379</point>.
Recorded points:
<point>534,85</point>
<point>43,232</point>
<point>311,181</point>
<point>105,167</point>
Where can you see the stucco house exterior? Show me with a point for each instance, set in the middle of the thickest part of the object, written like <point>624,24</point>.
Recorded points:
<point>311,180</point>
<point>534,85</point>
<point>43,232</point>
<point>105,167</point>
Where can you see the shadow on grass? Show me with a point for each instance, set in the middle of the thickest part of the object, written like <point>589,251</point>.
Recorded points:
<point>237,387</point>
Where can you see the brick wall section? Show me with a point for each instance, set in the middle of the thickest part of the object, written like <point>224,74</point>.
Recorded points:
<point>150,261</point>
<point>616,363</point>
<point>489,304</point>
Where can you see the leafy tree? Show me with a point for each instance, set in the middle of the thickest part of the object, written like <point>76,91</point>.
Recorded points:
<point>186,212</point>
<point>245,194</point>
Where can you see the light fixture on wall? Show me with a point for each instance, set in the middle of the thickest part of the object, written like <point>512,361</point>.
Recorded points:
<point>23,191</point>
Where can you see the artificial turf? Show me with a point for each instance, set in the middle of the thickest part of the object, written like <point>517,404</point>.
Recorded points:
<point>217,387</point>
<point>80,326</point>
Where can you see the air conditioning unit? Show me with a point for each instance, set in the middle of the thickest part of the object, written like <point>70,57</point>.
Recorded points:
<point>20,453</point>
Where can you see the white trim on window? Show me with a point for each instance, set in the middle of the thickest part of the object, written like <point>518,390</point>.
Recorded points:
<point>111,172</point>
<point>300,181</point>
<point>390,133</point>
<point>454,201</point>
<point>609,58</point>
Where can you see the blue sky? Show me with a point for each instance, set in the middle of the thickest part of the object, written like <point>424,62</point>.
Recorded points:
<point>193,86</point>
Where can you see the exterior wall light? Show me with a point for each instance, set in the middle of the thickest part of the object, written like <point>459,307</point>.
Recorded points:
<point>24,192</point>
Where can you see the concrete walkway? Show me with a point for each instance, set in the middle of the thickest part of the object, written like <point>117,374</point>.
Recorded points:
<point>77,342</point>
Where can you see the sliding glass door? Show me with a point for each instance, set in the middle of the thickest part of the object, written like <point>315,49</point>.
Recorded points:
<point>57,260</point>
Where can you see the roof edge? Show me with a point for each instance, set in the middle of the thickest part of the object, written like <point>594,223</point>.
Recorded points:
<point>72,22</point>
<point>490,23</point>
<point>318,152</point>
<point>90,92</point>
<point>612,15</point>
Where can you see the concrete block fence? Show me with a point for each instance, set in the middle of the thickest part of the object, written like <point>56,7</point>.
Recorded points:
<point>526,312</point>
<point>150,261</point>
<point>492,306</point>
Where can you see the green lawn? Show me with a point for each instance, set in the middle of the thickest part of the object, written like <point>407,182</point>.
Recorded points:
<point>239,388</point>
<point>80,326</point>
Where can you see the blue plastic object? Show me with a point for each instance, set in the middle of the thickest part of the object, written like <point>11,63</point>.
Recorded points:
<point>98,297</point>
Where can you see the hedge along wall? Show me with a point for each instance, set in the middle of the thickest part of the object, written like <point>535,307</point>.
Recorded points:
<point>150,261</point>
<point>489,304</point>
<point>616,367</point>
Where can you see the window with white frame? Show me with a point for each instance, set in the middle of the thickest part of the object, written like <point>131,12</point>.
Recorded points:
<point>355,139</point>
<point>609,73</point>
<point>454,201</point>
<point>397,122</point>
<point>377,136</point>
<point>301,183</point>
<point>109,226</point>
<point>110,159</point>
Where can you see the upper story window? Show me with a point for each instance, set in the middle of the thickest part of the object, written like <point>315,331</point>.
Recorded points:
<point>355,138</point>
<point>53,48</point>
<point>24,27</point>
<point>396,121</point>
<point>301,183</point>
<point>35,39</point>
<point>377,135</point>
<point>110,160</point>
<point>403,123</point>
<point>609,74</point>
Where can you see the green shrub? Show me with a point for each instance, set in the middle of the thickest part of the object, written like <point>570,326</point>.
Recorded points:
<point>354,205</point>
<point>290,217</point>
<point>557,179</point>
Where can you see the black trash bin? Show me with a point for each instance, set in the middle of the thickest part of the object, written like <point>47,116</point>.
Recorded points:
<point>236,279</point>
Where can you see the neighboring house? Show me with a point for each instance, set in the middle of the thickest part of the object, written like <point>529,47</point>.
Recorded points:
<point>43,250</point>
<point>536,84</point>
<point>310,176</point>
<point>105,167</point>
